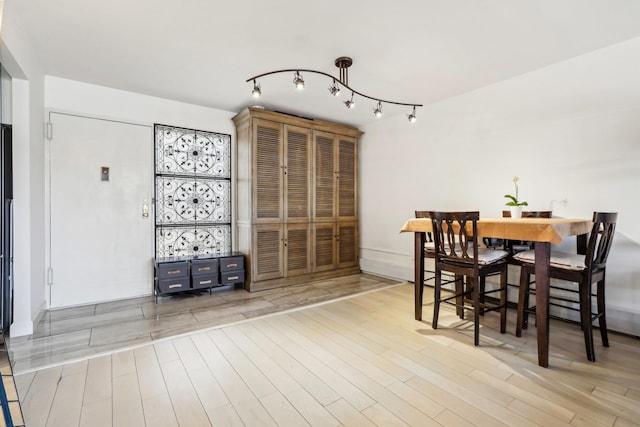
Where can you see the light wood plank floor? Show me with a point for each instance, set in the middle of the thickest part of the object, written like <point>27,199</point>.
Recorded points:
<point>78,332</point>
<point>359,361</point>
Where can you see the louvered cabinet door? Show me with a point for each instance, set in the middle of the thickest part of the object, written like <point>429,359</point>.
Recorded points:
<point>324,246</point>
<point>297,174</point>
<point>347,179</point>
<point>324,175</point>
<point>297,249</point>
<point>347,244</point>
<point>268,167</point>
<point>267,259</point>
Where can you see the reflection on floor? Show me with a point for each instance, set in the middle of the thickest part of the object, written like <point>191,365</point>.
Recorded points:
<point>75,333</point>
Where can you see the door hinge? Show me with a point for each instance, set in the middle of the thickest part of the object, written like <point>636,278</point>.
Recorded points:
<point>49,130</point>
<point>50,276</point>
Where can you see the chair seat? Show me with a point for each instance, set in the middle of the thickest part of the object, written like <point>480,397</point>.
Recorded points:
<point>485,255</point>
<point>489,256</point>
<point>558,259</point>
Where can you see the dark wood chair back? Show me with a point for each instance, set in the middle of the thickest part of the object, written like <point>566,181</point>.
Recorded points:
<point>456,236</point>
<point>600,239</point>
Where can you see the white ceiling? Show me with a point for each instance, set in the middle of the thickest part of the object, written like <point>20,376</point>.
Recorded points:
<point>414,51</point>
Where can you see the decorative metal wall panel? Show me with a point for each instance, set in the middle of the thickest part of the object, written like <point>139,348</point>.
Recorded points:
<point>185,201</point>
<point>190,152</point>
<point>190,240</point>
<point>193,192</point>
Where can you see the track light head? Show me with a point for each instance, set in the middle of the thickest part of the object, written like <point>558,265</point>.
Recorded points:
<point>334,89</point>
<point>298,81</point>
<point>378,110</point>
<point>349,102</point>
<point>412,117</point>
<point>256,92</point>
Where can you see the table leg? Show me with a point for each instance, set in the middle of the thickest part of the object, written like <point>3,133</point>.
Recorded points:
<point>543,255</point>
<point>418,280</point>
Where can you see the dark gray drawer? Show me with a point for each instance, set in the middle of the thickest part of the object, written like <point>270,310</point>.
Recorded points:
<point>231,277</point>
<point>204,281</point>
<point>204,266</point>
<point>175,284</point>
<point>168,270</point>
<point>231,263</point>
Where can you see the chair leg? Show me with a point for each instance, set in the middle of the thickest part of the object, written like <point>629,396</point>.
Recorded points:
<point>458,289</point>
<point>421,297</point>
<point>481,288</point>
<point>585,319</point>
<point>436,298</point>
<point>503,302</point>
<point>523,301</point>
<point>602,313</point>
<point>481,285</point>
<point>476,312</point>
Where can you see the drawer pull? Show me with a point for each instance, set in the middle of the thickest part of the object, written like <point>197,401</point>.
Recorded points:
<point>205,282</point>
<point>174,271</point>
<point>232,278</point>
<point>204,268</point>
<point>177,285</point>
<point>232,265</point>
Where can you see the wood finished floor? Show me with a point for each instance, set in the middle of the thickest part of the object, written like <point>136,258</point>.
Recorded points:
<point>77,332</point>
<point>358,361</point>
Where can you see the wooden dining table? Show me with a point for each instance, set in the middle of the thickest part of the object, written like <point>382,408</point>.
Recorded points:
<point>542,231</point>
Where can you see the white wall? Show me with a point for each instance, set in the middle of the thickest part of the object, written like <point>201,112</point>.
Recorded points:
<point>27,112</point>
<point>570,131</point>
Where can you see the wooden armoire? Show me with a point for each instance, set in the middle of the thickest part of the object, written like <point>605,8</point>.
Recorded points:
<point>297,198</point>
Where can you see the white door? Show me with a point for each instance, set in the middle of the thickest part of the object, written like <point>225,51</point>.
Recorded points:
<point>101,245</point>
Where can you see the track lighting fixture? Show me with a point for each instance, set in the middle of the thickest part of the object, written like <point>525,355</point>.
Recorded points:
<point>335,88</point>
<point>256,92</point>
<point>378,110</point>
<point>349,102</point>
<point>298,81</point>
<point>412,116</point>
<point>343,63</point>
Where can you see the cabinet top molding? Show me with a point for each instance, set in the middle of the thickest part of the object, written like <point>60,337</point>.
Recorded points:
<point>315,124</point>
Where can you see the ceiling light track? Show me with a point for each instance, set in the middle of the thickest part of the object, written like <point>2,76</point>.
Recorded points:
<point>343,63</point>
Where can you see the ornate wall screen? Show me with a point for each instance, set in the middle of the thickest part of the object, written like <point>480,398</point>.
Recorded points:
<point>192,192</point>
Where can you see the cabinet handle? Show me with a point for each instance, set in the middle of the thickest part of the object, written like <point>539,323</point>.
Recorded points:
<point>232,278</point>
<point>205,282</point>
<point>232,265</point>
<point>173,271</point>
<point>204,268</point>
<point>177,285</point>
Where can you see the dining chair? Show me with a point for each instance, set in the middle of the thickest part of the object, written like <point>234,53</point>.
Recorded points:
<point>456,251</point>
<point>429,249</point>
<point>430,252</point>
<point>584,270</point>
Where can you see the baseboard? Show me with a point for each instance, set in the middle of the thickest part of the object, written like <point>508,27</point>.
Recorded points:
<point>386,264</point>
